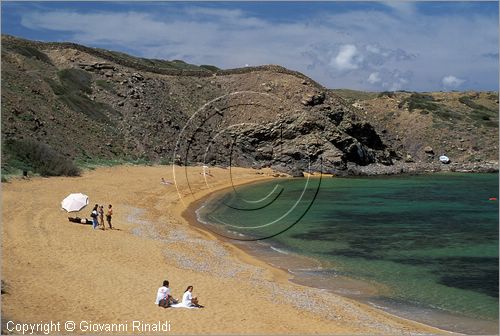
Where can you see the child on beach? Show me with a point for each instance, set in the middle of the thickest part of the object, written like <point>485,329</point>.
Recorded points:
<point>101,216</point>
<point>109,215</point>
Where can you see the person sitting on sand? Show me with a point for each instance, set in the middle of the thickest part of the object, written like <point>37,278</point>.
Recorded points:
<point>79,220</point>
<point>163,297</point>
<point>188,300</point>
<point>170,298</point>
<point>163,181</point>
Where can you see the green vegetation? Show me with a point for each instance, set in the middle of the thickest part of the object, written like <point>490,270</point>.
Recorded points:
<point>72,88</point>
<point>419,101</point>
<point>92,109</point>
<point>212,68</point>
<point>444,113</point>
<point>105,85</point>
<point>162,64</point>
<point>165,161</point>
<point>466,100</point>
<point>37,157</point>
<point>480,114</point>
<point>26,117</point>
<point>389,94</point>
<point>100,162</point>
<point>492,96</point>
<point>92,163</point>
<point>75,80</point>
<point>28,52</point>
<point>16,166</point>
<point>427,104</point>
<point>352,95</point>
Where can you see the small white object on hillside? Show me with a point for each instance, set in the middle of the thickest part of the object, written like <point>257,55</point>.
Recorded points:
<point>444,159</point>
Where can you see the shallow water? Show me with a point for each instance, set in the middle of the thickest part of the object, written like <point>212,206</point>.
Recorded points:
<point>425,247</point>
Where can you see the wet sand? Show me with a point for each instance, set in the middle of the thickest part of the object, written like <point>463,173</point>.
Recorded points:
<point>57,271</point>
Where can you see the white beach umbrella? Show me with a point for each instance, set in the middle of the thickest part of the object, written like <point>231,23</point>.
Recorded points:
<point>75,202</point>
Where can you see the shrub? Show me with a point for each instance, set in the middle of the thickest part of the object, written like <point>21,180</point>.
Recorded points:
<point>389,94</point>
<point>82,104</point>
<point>165,161</point>
<point>479,113</point>
<point>72,89</point>
<point>39,158</point>
<point>473,105</point>
<point>427,105</point>
<point>75,80</point>
<point>420,101</point>
<point>105,85</point>
<point>29,52</point>
<point>212,68</point>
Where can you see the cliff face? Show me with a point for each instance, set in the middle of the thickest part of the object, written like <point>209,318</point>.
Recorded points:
<point>91,104</point>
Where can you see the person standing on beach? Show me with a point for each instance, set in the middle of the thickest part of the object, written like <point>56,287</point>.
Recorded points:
<point>101,217</point>
<point>94,214</point>
<point>109,215</point>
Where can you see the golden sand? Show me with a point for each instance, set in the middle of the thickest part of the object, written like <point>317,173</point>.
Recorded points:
<point>59,271</point>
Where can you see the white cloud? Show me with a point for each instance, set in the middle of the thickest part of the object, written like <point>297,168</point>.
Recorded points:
<point>348,58</point>
<point>452,82</point>
<point>373,49</point>
<point>400,49</point>
<point>234,16</point>
<point>374,78</point>
<point>401,7</point>
<point>227,13</point>
<point>397,84</point>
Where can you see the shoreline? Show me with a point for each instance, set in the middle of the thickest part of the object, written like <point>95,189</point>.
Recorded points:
<point>189,214</point>
<point>417,168</point>
<point>55,270</point>
<point>283,274</point>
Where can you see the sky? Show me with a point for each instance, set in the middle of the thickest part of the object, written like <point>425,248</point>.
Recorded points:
<point>372,46</point>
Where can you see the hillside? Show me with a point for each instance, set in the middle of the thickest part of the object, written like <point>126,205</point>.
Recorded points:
<point>91,104</point>
<point>462,125</point>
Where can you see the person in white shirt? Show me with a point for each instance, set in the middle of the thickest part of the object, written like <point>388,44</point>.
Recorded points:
<point>163,295</point>
<point>188,300</point>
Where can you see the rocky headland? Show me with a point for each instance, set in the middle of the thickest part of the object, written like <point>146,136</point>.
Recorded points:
<point>90,104</point>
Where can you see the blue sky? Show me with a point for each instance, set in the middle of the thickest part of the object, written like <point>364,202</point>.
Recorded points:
<point>376,46</point>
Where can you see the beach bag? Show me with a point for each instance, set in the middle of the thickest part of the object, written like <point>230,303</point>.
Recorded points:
<point>93,214</point>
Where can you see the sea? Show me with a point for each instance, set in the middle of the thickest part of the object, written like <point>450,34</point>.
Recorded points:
<point>422,247</point>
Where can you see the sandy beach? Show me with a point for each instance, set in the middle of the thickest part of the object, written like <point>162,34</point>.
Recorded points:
<point>59,271</point>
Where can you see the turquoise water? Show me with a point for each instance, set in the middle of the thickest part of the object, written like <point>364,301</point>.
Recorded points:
<point>424,241</point>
